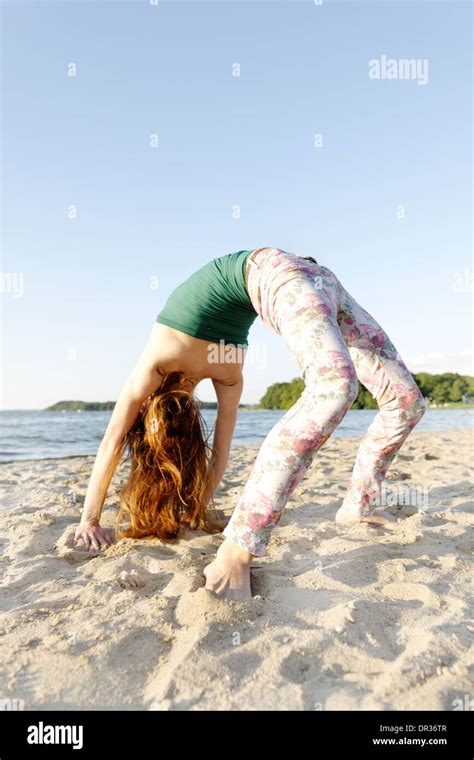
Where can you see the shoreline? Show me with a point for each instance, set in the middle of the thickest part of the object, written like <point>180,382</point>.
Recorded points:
<point>245,408</point>
<point>233,448</point>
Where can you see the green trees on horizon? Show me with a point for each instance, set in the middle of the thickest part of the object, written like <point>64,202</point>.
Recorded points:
<point>445,388</point>
<point>81,406</point>
<point>438,389</point>
<point>449,387</point>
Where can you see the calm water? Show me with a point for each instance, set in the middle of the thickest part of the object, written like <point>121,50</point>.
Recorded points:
<point>40,435</point>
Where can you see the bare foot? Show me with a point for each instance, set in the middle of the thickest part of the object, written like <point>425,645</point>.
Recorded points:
<point>345,517</point>
<point>228,575</point>
<point>377,517</point>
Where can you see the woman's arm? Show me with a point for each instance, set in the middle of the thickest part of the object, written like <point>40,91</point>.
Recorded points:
<point>142,382</point>
<point>228,397</point>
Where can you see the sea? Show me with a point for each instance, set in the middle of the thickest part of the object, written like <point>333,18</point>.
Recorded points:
<point>43,435</point>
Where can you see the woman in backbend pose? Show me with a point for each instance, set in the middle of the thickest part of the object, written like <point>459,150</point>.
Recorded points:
<point>174,472</point>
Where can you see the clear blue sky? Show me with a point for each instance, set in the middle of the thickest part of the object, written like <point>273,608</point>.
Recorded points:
<point>88,301</point>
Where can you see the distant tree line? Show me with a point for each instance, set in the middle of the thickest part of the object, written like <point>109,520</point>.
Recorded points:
<point>106,406</point>
<point>81,406</point>
<point>449,387</point>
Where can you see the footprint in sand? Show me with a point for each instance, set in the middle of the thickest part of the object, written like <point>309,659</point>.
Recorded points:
<point>417,592</point>
<point>299,668</point>
<point>243,664</point>
<point>164,552</point>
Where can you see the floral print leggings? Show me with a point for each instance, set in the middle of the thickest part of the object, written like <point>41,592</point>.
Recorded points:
<point>335,342</point>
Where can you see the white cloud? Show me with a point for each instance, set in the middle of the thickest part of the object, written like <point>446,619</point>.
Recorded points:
<point>439,361</point>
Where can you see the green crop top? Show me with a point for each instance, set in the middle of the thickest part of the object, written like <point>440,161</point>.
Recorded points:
<point>213,303</point>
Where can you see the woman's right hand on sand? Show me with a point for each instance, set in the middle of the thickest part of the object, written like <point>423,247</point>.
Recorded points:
<point>93,535</point>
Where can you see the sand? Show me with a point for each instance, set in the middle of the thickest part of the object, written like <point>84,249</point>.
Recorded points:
<point>363,618</point>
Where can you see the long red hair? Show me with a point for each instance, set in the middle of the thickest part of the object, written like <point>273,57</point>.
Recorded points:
<point>169,480</point>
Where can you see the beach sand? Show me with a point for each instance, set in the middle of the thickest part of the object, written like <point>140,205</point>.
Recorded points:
<point>363,618</point>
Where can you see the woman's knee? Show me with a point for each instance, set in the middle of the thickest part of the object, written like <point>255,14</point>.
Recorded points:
<point>412,404</point>
<point>418,406</point>
<point>350,387</point>
<point>342,387</point>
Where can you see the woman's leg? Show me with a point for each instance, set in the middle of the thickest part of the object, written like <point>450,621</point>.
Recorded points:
<point>334,341</point>
<point>382,371</point>
<point>306,317</point>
